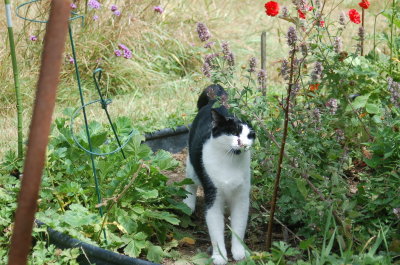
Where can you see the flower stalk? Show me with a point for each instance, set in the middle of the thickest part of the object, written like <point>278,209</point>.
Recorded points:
<point>391,36</point>
<point>283,143</point>
<point>362,25</point>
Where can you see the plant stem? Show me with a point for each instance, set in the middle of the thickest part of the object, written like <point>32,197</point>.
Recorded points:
<point>362,25</point>
<point>391,37</point>
<point>16,78</point>
<point>281,153</point>
<point>304,175</point>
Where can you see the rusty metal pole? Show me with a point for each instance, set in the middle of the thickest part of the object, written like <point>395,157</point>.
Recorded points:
<point>54,42</point>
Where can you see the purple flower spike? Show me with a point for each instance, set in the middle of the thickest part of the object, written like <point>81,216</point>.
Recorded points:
<point>117,13</point>
<point>206,70</point>
<point>94,4</point>
<point>113,8</point>
<point>126,52</point>
<point>122,47</point>
<point>33,38</point>
<point>252,64</point>
<point>292,36</point>
<point>71,60</point>
<point>158,9</point>
<point>202,30</point>
<point>95,17</point>
<point>118,53</point>
<point>73,6</point>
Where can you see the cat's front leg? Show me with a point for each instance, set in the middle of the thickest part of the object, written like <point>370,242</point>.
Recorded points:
<point>215,224</point>
<point>239,214</point>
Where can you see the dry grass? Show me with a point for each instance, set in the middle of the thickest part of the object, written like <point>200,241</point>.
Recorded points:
<point>159,85</point>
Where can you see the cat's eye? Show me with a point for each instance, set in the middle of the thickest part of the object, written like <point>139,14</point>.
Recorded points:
<point>251,135</point>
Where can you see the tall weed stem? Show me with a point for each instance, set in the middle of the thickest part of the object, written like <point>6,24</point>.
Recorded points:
<point>362,25</point>
<point>391,36</point>
<point>282,150</point>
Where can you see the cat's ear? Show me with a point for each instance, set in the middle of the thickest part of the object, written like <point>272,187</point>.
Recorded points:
<point>217,118</point>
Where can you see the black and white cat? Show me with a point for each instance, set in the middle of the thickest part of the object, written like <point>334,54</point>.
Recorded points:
<point>219,160</point>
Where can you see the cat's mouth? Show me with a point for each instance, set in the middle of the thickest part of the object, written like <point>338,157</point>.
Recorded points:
<point>238,150</point>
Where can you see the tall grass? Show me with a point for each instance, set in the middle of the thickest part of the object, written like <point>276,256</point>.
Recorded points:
<point>159,85</point>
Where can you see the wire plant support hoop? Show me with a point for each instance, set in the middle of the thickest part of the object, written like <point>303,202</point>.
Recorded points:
<point>103,102</point>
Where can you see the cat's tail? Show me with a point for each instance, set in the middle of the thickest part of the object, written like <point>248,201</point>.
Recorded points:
<point>210,94</point>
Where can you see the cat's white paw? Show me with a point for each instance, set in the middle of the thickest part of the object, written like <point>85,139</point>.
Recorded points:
<point>238,252</point>
<point>219,260</point>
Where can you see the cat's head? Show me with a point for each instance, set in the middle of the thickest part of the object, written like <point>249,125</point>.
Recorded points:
<point>232,134</point>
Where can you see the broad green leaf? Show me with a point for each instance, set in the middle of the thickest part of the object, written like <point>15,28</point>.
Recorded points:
<point>361,101</point>
<point>147,194</point>
<point>138,209</point>
<point>372,108</point>
<point>164,160</point>
<point>306,243</point>
<point>135,247</point>
<point>166,216</point>
<point>128,223</point>
<point>79,216</point>
<point>98,139</point>
<point>140,236</point>
<point>301,186</point>
<point>156,254</point>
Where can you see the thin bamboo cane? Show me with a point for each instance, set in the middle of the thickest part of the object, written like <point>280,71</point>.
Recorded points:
<point>16,77</point>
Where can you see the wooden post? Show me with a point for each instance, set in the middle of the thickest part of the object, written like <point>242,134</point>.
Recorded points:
<point>264,60</point>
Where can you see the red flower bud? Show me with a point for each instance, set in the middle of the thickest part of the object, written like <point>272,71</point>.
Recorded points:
<point>272,8</point>
<point>354,16</point>
<point>322,23</point>
<point>301,14</point>
<point>364,4</point>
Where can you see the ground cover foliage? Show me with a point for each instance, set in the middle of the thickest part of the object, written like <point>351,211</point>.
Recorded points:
<point>340,180</point>
<point>140,209</point>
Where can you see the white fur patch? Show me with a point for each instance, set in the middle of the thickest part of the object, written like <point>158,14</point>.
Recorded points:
<point>233,142</point>
<point>230,174</point>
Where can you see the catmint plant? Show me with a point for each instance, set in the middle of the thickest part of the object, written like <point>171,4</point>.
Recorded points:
<point>332,105</point>
<point>252,64</point>
<point>203,32</point>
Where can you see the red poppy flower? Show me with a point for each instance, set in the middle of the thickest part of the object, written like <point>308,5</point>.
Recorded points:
<point>301,14</point>
<point>354,16</point>
<point>314,87</point>
<point>364,4</point>
<point>322,23</point>
<point>272,8</point>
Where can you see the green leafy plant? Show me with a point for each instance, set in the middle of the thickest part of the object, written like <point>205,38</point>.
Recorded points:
<point>141,209</point>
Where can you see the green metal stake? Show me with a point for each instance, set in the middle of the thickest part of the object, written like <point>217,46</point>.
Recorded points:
<point>16,77</point>
<point>96,181</point>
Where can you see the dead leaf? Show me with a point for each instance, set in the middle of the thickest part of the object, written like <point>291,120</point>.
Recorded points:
<point>187,241</point>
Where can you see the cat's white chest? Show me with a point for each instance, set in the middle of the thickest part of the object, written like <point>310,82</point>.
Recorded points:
<point>227,171</point>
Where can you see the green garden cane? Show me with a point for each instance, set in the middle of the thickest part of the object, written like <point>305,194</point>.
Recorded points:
<point>16,77</point>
